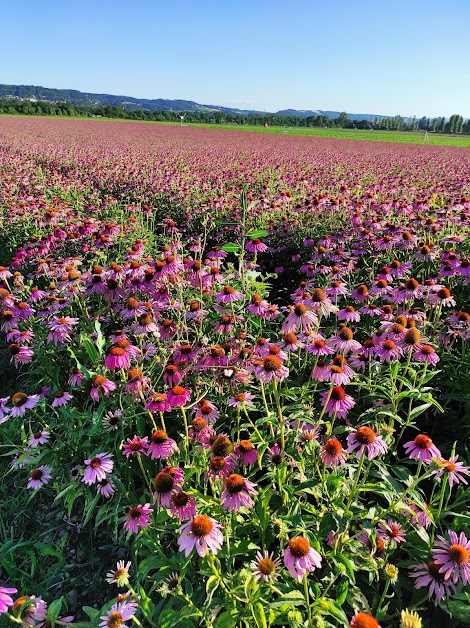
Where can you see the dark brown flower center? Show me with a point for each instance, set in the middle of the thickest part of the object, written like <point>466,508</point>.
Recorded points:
<point>234,483</point>
<point>163,482</point>
<point>299,546</point>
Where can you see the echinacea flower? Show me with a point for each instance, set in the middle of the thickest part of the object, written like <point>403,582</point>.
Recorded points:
<point>97,468</point>
<point>299,319</point>
<point>136,446</point>
<point>183,505</point>
<point>246,452</point>
<point>61,399</point>
<point>101,383</point>
<point>265,566</point>
<point>201,532</point>
<point>22,402</point>
<point>366,440</point>
<point>138,516</point>
<point>454,470</point>
<point>339,402</point>
<point>178,396</point>
<point>121,574</point>
<point>117,615</point>
<point>31,615</point>
<point>426,353</point>
<point>237,493</point>
<point>422,449</point>
<point>300,557</point>
<point>429,575</point>
<point>392,531</point>
<point>39,477</point>
<point>161,445</point>
<point>332,453</point>
<point>166,483</point>
<point>39,438</point>
<point>364,620</point>
<point>271,368</point>
<point>453,557</point>
<point>5,598</point>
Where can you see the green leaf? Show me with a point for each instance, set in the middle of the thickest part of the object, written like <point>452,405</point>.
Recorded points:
<point>53,611</point>
<point>258,233</point>
<point>342,589</point>
<point>259,616</point>
<point>91,612</point>
<point>227,620</point>
<point>293,598</point>
<point>230,247</point>
<point>328,607</point>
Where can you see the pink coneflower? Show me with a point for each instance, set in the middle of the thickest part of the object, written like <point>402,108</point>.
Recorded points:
<point>271,368</point>
<point>422,449</point>
<point>453,557</point>
<point>237,401</point>
<point>257,305</point>
<point>202,533</point>
<point>117,358</point>
<point>256,246</point>
<point>183,506</point>
<point>33,615</point>
<point>416,515</point>
<point>299,319</point>
<point>332,453</point>
<point>349,314</point>
<point>5,599</point>
<point>20,355</point>
<point>228,295</point>
<point>246,453</point>
<point>120,575</point>
<point>361,293</point>
<point>117,615</point>
<point>178,396</point>
<point>290,342</point>
<point>112,420</point>
<point>337,375</point>
<point>237,493</point>
<point>442,297</point>
<point>172,375</point>
<point>138,516</point>
<point>364,620</point>
<point>22,402</point>
<point>166,483</point>
<point>146,325</point>
<point>319,347</point>
<point>366,440</point>
<point>60,329</point>
<point>300,557</point>
<point>39,438</point>
<point>136,446</point>
<point>105,488</point>
<point>391,531</point>
<point>39,477</point>
<point>264,567</point>
<point>61,399</point>
<point>201,433</point>
<point>339,402</point>
<point>454,470</point>
<point>426,353</point>
<point>97,468</point>
<point>207,410</point>
<point>161,445</point>
<point>388,350</point>
<point>429,575</point>
<point>220,467</point>
<point>275,455</point>
<point>344,341</point>
<point>76,377</point>
<point>158,402</point>
<point>101,383</point>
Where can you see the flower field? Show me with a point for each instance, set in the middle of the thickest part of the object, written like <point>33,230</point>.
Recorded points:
<point>234,379</point>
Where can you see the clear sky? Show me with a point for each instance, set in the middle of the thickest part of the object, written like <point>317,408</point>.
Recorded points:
<point>403,57</point>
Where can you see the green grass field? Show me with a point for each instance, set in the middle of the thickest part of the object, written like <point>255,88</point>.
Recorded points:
<point>401,137</point>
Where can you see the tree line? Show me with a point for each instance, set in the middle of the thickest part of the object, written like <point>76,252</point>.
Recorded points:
<point>455,124</point>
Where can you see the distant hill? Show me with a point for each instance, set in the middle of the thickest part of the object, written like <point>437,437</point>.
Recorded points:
<point>75,97</point>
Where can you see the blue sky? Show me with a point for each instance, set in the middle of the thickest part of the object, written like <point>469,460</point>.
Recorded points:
<point>408,58</point>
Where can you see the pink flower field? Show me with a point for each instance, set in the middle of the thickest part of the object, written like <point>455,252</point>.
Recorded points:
<point>234,379</point>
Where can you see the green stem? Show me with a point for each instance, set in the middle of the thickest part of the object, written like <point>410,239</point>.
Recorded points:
<point>307,598</point>
<point>279,413</point>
